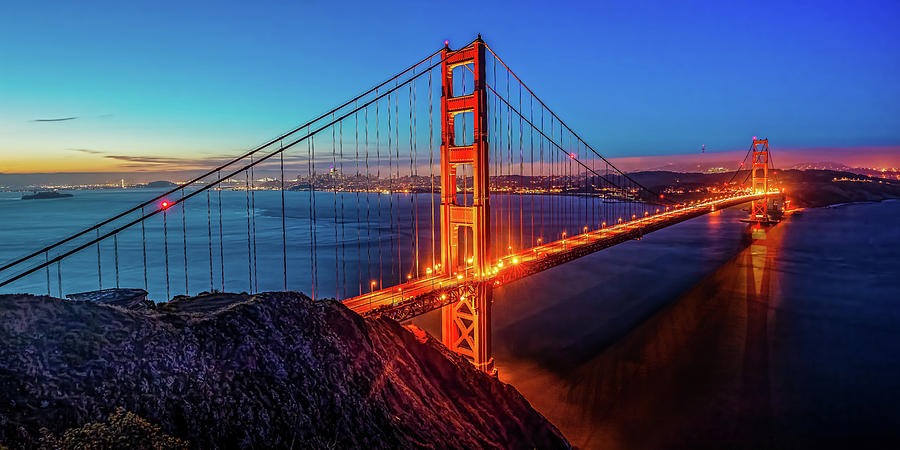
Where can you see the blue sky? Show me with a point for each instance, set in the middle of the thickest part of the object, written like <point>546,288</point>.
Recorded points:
<point>166,79</point>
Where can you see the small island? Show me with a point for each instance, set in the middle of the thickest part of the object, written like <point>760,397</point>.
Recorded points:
<point>157,184</point>
<point>45,195</point>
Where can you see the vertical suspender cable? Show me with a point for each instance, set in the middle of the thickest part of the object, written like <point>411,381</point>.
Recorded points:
<point>99,270</point>
<point>509,195</point>
<point>249,241</point>
<point>334,188</point>
<point>377,189</point>
<point>543,175</point>
<point>47,272</point>
<point>283,219</point>
<point>253,216</point>
<point>221,236</point>
<point>390,185</point>
<point>343,219</point>
<point>359,260</point>
<point>59,277</point>
<point>412,194</point>
<point>431,162</point>
<point>116,258</point>
<point>521,178</point>
<point>209,238</point>
<point>531,165</point>
<point>309,206</point>
<point>397,144</point>
<point>184,241</point>
<point>315,213</point>
<point>415,174</point>
<point>144,247</point>
<point>166,251</point>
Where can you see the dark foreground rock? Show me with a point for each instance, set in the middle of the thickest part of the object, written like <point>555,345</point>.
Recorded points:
<point>273,370</point>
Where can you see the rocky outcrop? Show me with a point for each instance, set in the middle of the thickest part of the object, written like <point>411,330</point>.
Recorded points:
<point>273,370</point>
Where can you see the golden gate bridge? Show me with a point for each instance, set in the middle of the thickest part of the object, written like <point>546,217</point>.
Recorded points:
<point>438,191</point>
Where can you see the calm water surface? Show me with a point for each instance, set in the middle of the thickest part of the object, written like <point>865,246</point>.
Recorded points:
<point>702,336</point>
<point>699,335</point>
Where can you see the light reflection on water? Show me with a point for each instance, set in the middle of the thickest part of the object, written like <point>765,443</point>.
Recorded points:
<point>699,337</point>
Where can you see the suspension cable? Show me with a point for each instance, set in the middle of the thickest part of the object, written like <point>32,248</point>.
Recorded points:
<point>562,123</point>
<point>222,166</point>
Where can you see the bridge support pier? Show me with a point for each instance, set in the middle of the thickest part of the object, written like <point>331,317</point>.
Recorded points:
<point>466,327</point>
<point>466,323</point>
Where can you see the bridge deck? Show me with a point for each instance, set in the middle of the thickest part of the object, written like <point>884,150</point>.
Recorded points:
<point>424,294</point>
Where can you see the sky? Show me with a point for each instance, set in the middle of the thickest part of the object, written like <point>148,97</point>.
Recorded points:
<point>136,86</point>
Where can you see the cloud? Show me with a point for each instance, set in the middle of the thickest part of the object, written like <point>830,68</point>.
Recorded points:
<point>87,150</point>
<point>61,119</point>
<point>146,162</point>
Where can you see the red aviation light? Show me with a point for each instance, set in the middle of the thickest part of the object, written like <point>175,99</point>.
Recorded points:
<point>164,204</point>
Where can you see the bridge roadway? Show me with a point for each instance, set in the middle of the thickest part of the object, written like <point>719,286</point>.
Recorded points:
<point>427,293</point>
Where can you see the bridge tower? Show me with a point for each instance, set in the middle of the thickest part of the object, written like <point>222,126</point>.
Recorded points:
<point>466,322</point>
<point>759,210</point>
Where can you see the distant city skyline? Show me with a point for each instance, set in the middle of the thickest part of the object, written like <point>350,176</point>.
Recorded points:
<point>870,157</point>
<point>123,87</point>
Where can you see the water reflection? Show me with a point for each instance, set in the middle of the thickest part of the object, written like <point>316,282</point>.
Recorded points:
<point>697,369</point>
<point>791,343</point>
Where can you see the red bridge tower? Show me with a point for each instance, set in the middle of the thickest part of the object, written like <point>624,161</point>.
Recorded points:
<point>466,321</point>
<point>759,211</point>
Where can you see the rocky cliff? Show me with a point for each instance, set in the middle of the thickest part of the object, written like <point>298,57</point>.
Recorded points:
<point>273,370</point>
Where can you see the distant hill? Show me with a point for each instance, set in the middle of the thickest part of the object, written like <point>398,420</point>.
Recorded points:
<point>806,188</point>
<point>158,184</point>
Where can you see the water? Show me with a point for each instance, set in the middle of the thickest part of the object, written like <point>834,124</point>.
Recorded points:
<point>356,238</point>
<point>695,336</point>
<point>699,336</point>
